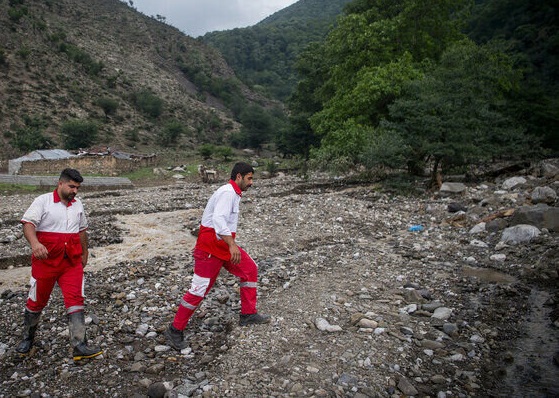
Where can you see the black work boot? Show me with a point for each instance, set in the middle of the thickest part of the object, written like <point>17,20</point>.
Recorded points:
<point>253,319</point>
<point>175,338</point>
<point>76,325</point>
<point>30,322</point>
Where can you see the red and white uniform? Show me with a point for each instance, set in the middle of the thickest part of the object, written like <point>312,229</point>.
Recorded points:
<point>220,217</point>
<point>58,227</point>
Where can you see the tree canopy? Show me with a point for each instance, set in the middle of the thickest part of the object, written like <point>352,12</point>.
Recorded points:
<point>398,83</point>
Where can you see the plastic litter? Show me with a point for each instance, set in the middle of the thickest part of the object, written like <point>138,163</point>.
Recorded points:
<point>416,228</point>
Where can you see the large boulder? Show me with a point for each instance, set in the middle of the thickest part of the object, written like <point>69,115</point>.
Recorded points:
<point>540,216</point>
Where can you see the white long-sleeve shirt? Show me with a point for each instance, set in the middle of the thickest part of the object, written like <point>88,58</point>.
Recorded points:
<point>222,211</point>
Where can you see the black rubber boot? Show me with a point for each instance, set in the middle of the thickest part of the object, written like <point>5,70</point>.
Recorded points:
<point>175,338</point>
<point>253,319</point>
<point>30,322</point>
<point>76,325</point>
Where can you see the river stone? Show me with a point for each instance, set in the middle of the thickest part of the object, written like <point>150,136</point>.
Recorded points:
<point>512,182</point>
<point>450,188</point>
<point>522,233</point>
<point>442,313</point>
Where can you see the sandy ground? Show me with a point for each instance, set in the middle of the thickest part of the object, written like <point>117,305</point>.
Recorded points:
<point>148,236</point>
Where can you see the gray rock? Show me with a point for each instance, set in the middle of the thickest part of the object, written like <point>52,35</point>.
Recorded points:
<point>540,216</point>
<point>406,387</point>
<point>442,313</point>
<point>157,390</point>
<point>324,326</point>
<point>456,207</point>
<point>452,188</point>
<point>496,225</point>
<point>548,168</point>
<point>519,234</point>
<point>543,195</point>
<point>513,182</point>
<point>478,228</point>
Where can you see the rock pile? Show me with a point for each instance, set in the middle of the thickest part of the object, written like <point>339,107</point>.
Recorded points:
<point>362,304</point>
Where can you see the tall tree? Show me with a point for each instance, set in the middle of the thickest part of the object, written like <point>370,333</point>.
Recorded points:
<point>375,50</point>
<point>456,114</point>
<point>529,31</point>
<point>300,138</point>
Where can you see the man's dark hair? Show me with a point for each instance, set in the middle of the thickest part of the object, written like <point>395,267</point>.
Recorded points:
<point>241,167</point>
<point>71,175</point>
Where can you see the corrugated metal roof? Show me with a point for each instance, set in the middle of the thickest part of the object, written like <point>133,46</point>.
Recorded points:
<point>14,165</point>
<point>47,154</point>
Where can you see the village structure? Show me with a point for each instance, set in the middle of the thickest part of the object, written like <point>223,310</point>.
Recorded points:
<point>104,162</point>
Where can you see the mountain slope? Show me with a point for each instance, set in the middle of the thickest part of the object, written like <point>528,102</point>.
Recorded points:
<point>62,60</point>
<point>263,55</point>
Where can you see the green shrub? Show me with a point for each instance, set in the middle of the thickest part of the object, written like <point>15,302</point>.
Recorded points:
<point>77,134</point>
<point>28,139</point>
<point>15,14</point>
<point>80,56</point>
<point>206,151</point>
<point>148,103</point>
<point>271,167</point>
<point>224,151</point>
<point>108,105</point>
<point>23,52</point>
<point>132,136</point>
<point>171,133</point>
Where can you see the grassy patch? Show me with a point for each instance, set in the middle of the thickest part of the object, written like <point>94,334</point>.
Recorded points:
<point>16,189</point>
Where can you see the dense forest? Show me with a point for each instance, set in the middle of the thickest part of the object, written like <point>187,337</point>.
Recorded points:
<point>264,55</point>
<point>444,84</point>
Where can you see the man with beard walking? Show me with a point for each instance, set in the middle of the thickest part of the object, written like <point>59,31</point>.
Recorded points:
<point>216,248</point>
<point>55,226</point>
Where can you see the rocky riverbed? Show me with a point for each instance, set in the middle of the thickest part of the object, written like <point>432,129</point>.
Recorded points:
<point>371,293</point>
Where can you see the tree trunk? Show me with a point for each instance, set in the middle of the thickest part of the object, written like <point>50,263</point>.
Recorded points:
<point>436,176</point>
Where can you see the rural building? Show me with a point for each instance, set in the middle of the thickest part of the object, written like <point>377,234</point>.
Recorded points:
<point>51,161</point>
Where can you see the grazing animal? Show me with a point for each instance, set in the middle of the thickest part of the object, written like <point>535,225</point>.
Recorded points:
<point>207,175</point>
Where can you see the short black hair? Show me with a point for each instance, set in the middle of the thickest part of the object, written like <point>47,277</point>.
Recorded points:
<point>241,167</point>
<point>71,175</point>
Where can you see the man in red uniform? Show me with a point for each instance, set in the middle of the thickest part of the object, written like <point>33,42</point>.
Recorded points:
<point>55,226</point>
<point>216,248</point>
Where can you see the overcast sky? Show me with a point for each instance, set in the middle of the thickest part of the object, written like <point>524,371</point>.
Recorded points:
<point>197,17</point>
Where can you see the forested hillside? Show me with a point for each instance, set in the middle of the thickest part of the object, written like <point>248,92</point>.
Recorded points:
<point>84,73</point>
<point>411,84</point>
<point>403,84</point>
<point>263,55</point>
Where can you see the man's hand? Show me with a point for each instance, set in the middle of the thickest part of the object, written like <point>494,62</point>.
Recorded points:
<point>39,251</point>
<point>233,248</point>
<point>235,254</point>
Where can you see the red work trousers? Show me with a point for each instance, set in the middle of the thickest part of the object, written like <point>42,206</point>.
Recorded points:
<point>43,278</point>
<point>206,271</point>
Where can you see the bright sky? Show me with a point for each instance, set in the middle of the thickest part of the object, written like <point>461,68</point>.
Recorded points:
<point>197,17</point>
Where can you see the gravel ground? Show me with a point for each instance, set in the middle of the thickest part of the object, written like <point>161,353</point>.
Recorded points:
<point>361,306</point>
